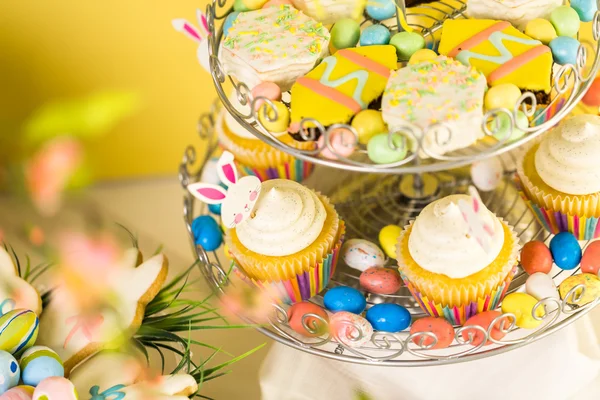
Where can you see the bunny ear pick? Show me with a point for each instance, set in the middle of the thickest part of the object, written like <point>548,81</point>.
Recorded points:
<point>197,35</point>
<point>473,214</point>
<point>189,30</point>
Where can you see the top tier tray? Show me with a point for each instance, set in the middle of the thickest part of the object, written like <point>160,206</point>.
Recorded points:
<point>569,85</point>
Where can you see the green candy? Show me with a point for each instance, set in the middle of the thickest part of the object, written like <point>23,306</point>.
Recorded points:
<point>407,44</point>
<point>239,5</point>
<point>380,152</point>
<point>345,33</point>
<point>565,21</point>
<point>503,121</point>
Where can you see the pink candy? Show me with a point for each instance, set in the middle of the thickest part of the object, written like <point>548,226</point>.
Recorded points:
<point>274,3</point>
<point>268,90</point>
<point>343,142</point>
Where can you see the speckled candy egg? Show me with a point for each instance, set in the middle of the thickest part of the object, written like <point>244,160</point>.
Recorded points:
<point>565,250</point>
<point>564,50</point>
<point>268,90</point>
<point>380,151</point>
<point>407,44</point>
<point>229,22</point>
<point>585,9</point>
<point>18,330</point>
<point>541,29</point>
<point>207,232</point>
<point>344,298</point>
<point>361,254</point>
<point>565,21</point>
<point>388,317</point>
<point>368,123</point>
<point>541,286</point>
<point>441,328</point>
<point>504,95</point>
<point>296,314</point>
<point>341,140</point>
<point>9,371</point>
<point>522,305</point>
<point>590,282</point>
<point>484,320</point>
<point>487,174</point>
<point>388,238</point>
<point>380,280</point>
<point>375,35</point>
<point>536,257</point>
<point>39,363</point>
<point>590,262</point>
<point>345,33</point>
<point>350,329</point>
<point>22,392</point>
<point>55,388</point>
<point>381,9</point>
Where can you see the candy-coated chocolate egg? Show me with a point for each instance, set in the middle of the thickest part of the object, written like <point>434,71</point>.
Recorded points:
<point>55,388</point>
<point>240,6</point>
<point>592,96</point>
<point>504,95</point>
<point>407,44</point>
<point>590,282</point>
<point>380,151</point>
<point>367,124</point>
<point>502,125</point>
<point>296,314</point>
<point>275,123</point>
<point>590,262</point>
<point>268,90</point>
<point>565,21</point>
<point>541,29</point>
<point>565,250</point>
<point>375,35</point>
<point>485,320</point>
<point>585,9</point>
<point>440,327</point>
<point>388,317</point>
<point>344,298</point>
<point>361,254</point>
<point>229,22</point>
<point>487,174</point>
<point>388,238</point>
<point>254,4</point>
<point>207,232</point>
<point>350,329</point>
<point>564,50</point>
<point>422,55</point>
<point>215,209</point>
<point>343,142</point>
<point>345,33</point>
<point>380,280</point>
<point>541,286</point>
<point>277,3</point>
<point>9,371</point>
<point>521,305</point>
<point>536,257</point>
<point>18,330</point>
<point>381,9</point>
<point>39,363</point>
<point>22,392</point>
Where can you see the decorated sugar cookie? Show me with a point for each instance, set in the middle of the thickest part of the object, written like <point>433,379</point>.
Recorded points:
<point>15,292</point>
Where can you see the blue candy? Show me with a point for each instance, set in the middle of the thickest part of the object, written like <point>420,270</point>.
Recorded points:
<point>229,22</point>
<point>565,250</point>
<point>9,371</point>
<point>374,35</point>
<point>344,298</point>
<point>215,209</point>
<point>564,50</point>
<point>207,232</point>
<point>381,9</point>
<point>388,317</point>
<point>585,9</point>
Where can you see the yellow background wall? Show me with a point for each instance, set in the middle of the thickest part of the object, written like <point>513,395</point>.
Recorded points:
<point>67,48</point>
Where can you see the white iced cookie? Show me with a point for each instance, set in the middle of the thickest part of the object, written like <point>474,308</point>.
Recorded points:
<point>16,292</point>
<point>75,336</point>
<point>517,12</point>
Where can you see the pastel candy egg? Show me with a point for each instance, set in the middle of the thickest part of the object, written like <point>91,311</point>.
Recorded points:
<point>341,140</point>
<point>297,313</point>
<point>19,330</point>
<point>565,21</point>
<point>380,151</point>
<point>381,9</point>
<point>590,262</point>
<point>254,4</point>
<point>487,174</point>
<point>441,328</point>
<point>39,363</point>
<point>388,238</point>
<point>229,22</point>
<point>564,50</point>
<point>407,44</point>
<point>565,250</point>
<point>502,125</point>
<point>541,286</point>
<point>9,371</point>
<point>240,6</point>
<point>361,254</point>
<point>55,388</point>
<point>585,9</point>
<point>215,209</point>
<point>344,298</point>
<point>350,329</point>
<point>374,35</point>
<point>345,33</point>
<point>267,90</point>
<point>504,95</point>
<point>388,317</point>
<point>536,257</point>
<point>540,29</point>
<point>367,124</point>
<point>591,292</point>
<point>277,3</point>
<point>207,232</point>
<point>422,55</point>
<point>592,96</point>
<point>22,392</point>
<point>272,122</point>
<point>380,280</point>
<point>521,305</point>
<point>484,320</point>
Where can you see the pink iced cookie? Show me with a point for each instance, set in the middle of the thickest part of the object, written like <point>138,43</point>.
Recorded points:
<point>343,142</point>
<point>55,388</point>
<point>276,3</point>
<point>268,90</point>
<point>18,393</point>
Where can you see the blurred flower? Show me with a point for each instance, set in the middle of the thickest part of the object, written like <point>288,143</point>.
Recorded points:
<point>36,236</point>
<point>248,301</point>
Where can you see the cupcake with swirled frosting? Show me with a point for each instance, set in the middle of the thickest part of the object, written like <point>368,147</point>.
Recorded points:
<point>560,176</point>
<point>447,270</point>
<point>291,241</point>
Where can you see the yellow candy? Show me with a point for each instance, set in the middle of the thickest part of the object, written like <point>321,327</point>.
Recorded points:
<point>589,281</point>
<point>422,55</point>
<point>521,305</point>
<point>540,29</point>
<point>283,117</point>
<point>504,95</point>
<point>254,4</point>
<point>388,238</point>
<point>368,123</point>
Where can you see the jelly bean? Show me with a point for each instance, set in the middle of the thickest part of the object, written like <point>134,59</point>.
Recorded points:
<point>487,174</point>
<point>541,29</point>
<point>590,262</point>
<point>367,124</point>
<point>380,152</point>
<point>388,317</point>
<point>375,35</point>
<point>380,280</point>
<point>207,232</point>
<point>361,254</point>
<point>345,33</point>
<point>591,291</point>
<point>504,95</point>
<point>442,329</point>
<point>565,250</point>
<point>585,9</point>
<point>592,96</point>
<point>564,50</point>
<point>388,239</point>
<point>521,305</point>
<point>281,120</point>
<point>536,257</point>
<point>296,314</point>
<point>343,142</point>
<point>484,320</point>
<point>267,90</point>
<point>422,55</point>
<point>565,20</point>
<point>344,298</point>
<point>541,286</point>
<point>229,22</point>
<point>407,44</point>
<point>381,9</point>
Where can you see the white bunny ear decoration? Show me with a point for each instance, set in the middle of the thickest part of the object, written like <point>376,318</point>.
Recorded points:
<point>473,214</point>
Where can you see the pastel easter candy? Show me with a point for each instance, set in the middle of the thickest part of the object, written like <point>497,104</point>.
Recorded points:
<point>18,330</point>
<point>297,312</point>
<point>536,257</point>
<point>9,371</point>
<point>343,142</point>
<point>269,90</point>
<point>380,280</point>
<point>22,392</point>
<point>541,29</point>
<point>440,327</point>
<point>585,9</point>
<point>484,320</point>
<point>55,388</point>
<point>272,122</point>
<point>592,96</point>
<point>564,50</point>
<point>407,44</point>
<point>381,9</point>
<point>541,286</point>
<point>487,174</point>
<point>502,125</point>
<point>229,22</point>
<point>39,363</point>
<point>345,33</point>
<point>215,208</point>
<point>361,254</point>
<point>350,329</point>
<point>367,124</point>
<point>565,21</point>
<point>374,35</point>
<point>240,6</point>
<point>565,250</point>
<point>590,262</point>
<point>254,4</point>
<point>388,317</point>
<point>590,282</point>
<point>422,55</point>
<point>388,238</point>
<point>277,3</point>
<point>380,152</point>
<point>504,95</point>
<point>207,232</point>
<point>344,298</point>
<point>521,305</point>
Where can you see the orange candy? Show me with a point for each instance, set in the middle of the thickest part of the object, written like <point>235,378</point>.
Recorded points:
<point>483,320</point>
<point>536,257</point>
<point>592,97</point>
<point>441,328</point>
<point>590,262</point>
<point>299,310</point>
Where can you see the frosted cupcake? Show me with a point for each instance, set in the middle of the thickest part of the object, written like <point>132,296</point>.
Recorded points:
<point>457,258</point>
<point>560,176</point>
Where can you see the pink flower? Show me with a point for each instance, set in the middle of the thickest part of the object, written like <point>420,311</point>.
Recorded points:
<point>248,301</point>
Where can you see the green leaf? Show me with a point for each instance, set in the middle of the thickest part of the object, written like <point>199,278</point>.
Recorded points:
<point>210,371</point>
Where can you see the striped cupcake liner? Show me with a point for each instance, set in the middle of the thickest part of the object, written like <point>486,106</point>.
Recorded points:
<point>544,114</point>
<point>458,315</point>
<point>296,170</point>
